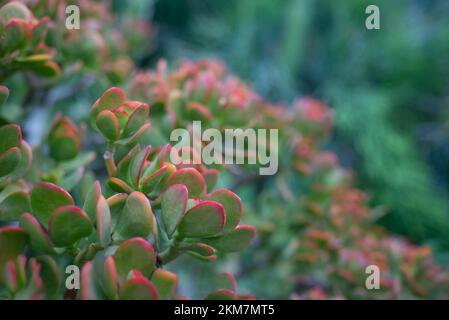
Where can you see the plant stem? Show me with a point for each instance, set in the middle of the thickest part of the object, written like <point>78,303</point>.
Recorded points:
<point>172,251</point>
<point>109,159</point>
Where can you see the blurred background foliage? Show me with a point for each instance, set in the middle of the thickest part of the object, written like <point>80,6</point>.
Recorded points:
<point>388,87</point>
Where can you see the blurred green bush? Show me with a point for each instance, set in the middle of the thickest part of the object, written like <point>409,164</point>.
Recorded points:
<point>388,86</point>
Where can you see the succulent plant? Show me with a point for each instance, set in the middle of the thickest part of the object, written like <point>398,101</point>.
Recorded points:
<point>23,42</point>
<point>151,213</point>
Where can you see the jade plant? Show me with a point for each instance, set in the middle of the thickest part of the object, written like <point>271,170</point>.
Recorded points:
<point>23,44</point>
<point>125,231</point>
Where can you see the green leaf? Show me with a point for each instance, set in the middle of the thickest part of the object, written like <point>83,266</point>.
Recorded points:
<point>221,294</point>
<point>46,197</point>
<point>14,9</point>
<point>67,225</point>
<point>11,137</point>
<point>232,205</point>
<point>4,93</point>
<point>25,161</point>
<point>138,164</point>
<point>166,283</point>
<point>14,35</point>
<point>136,219</point>
<point>191,178</point>
<point>38,236</point>
<point>12,243</point>
<point>205,219</point>
<point>211,178</point>
<point>174,205</point>
<point>90,204</point>
<point>119,185</point>
<point>201,249</point>
<point>123,167</point>
<point>107,124</point>
<point>111,99</point>
<point>138,288</point>
<point>90,289</point>
<point>50,274</point>
<point>236,240</point>
<point>9,161</point>
<point>110,278</point>
<point>135,253</point>
<point>136,120</point>
<point>14,205</point>
<point>49,69</point>
<point>116,204</point>
<point>103,222</point>
<point>150,184</point>
<point>64,145</point>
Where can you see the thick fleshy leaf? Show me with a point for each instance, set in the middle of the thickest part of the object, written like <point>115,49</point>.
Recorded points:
<point>205,219</point>
<point>236,240</point>
<point>48,69</point>
<point>25,161</point>
<point>136,219</point>
<point>125,163</point>
<point>108,125</point>
<point>138,288</point>
<point>103,222</point>
<point>9,161</point>
<point>151,183</point>
<point>14,205</point>
<point>191,178</point>
<point>211,178</point>
<point>11,137</point>
<point>50,274</point>
<point>174,205</point>
<point>67,225</point>
<point>116,204</point>
<point>90,204</point>
<point>135,253</point>
<point>64,147</point>
<point>12,243</point>
<point>46,197</point>
<point>111,99</point>
<point>136,120</point>
<point>232,205</point>
<point>15,34</point>
<point>4,93</point>
<point>201,249</point>
<point>14,9</point>
<point>90,289</point>
<point>110,278</point>
<point>221,294</point>
<point>165,282</point>
<point>138,165</point>
<point>38,236</point>
<point>119,185</point>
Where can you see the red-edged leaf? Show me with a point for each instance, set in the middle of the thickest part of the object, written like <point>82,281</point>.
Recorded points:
<point>205,219</point>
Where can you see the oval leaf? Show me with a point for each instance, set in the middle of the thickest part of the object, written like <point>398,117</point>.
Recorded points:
<point>205,219</point>
<point>174,205</point>
<point>67,225</point>
<point>46,197</point>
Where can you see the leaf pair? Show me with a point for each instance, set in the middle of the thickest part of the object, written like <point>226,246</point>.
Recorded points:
<point>126,275</point>
<point>120,217</point>
<point>214,219</point>
<point>117,119</point>
<point>54,208</point>
<point>15,154</point>
<point>64,139</point>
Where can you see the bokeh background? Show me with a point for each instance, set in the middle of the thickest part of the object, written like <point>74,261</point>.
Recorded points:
<point>389,87</point>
